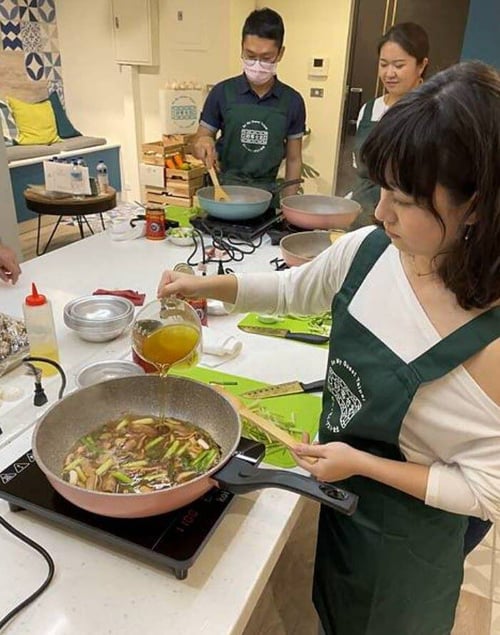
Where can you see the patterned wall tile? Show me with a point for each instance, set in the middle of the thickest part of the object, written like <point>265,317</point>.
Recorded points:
<point>34,66</point>
<point>47,10</point>
<point>9,10</point>
<point>30,26</point>
<point>56,86</point>
<point>52,64</point>
<point>28,11</point>
<point>31,37</point>
<point>10,36</point>
<point>49,37</point>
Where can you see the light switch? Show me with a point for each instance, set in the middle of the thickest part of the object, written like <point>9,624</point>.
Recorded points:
<point>317,92</point>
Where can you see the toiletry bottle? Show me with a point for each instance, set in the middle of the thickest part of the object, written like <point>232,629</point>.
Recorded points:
<point>41,331</point>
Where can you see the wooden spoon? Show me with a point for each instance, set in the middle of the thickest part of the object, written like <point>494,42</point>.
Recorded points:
<point>219,193</point>
<point>264,424</point>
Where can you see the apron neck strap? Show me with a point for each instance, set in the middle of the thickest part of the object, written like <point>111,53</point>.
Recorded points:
<point>372,247</point>
<point>458,347</point>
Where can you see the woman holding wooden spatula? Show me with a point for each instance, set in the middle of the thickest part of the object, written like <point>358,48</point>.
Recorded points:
<point>411,407</point>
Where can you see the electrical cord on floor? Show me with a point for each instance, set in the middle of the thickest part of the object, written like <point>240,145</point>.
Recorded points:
<point>34,545</point>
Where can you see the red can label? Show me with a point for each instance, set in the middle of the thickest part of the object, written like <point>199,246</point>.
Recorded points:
<point>155,224</point>
<point>200,306</point>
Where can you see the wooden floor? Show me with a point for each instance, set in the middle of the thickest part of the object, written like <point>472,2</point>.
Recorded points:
<point>65,235</point>
<point>285,607</point>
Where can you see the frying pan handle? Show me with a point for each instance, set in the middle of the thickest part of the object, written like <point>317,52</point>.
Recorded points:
<point>285,184</point>
<point>240,477</point>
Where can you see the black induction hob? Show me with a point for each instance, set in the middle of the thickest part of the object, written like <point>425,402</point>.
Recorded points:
<point>270,222</point>
<point>172,541</point>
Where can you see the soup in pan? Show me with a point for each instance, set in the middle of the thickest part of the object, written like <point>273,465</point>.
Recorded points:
<point>137,455</point>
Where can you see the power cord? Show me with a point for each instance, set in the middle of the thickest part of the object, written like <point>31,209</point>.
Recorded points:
<point>34,545</point>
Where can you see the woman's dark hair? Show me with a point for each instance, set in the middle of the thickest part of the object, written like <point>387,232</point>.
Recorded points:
<point>411,37</point>
<point>447,132</point>
<point>265,23</point>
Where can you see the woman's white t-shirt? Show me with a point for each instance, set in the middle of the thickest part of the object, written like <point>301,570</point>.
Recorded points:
<point>452,425</point>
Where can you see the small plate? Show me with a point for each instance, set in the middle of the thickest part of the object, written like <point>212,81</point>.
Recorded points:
<point>109,369</point>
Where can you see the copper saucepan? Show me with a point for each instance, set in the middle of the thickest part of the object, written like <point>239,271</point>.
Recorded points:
<point>87,409</point>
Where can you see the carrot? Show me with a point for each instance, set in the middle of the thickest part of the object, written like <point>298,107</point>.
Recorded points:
<point>170,163</point>
<point>178,160</point>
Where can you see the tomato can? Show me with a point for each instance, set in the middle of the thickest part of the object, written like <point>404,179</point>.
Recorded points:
<point>155,222</point>
<point>198,304</point>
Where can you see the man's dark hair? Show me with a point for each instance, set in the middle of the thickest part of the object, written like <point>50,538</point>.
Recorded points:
<point>265,23</point>
<point>447,132</point>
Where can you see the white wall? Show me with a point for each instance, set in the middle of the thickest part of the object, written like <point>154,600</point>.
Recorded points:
<point>8,222</point>
<point>317,28</point>
<point>97,92</point>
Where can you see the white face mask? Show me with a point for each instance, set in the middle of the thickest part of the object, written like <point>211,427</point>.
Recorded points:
<point>258,72</point>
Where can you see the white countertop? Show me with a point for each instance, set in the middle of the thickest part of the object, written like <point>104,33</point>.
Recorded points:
<point>98,590</point>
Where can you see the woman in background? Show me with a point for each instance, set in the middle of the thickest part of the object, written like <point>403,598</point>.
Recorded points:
<point>402,60</point>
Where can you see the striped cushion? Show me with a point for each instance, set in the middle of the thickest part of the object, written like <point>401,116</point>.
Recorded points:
<point>7,123</point>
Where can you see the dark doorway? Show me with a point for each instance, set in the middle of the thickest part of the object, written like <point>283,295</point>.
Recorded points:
<point>444,22</point>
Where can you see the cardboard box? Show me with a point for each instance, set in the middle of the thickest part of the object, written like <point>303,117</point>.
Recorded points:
<point>152,175</point>
<point>180,110</point>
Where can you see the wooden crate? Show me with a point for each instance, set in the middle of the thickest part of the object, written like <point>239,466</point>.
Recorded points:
<point>178,187</point>
<point>153,153</point>
<point>158,195</point>
<point>176,139</point>
<point>186,175</point>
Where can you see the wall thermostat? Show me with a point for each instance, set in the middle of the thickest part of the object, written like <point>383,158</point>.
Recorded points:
<point>319,66</point>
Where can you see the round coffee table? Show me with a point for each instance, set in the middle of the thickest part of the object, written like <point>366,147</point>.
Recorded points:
<point>78,208</point>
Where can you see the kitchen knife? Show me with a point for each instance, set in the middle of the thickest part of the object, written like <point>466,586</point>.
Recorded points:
<point>288,388</point>
<point>308,338</point>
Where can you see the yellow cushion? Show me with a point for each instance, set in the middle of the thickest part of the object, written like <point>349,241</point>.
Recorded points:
<point>35,123</point>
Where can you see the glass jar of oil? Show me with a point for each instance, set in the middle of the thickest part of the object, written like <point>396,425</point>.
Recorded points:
<point>167,333</point>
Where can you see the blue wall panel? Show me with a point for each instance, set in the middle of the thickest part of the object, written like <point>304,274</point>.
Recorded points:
<point>482,34</point>
<point>23,176</point>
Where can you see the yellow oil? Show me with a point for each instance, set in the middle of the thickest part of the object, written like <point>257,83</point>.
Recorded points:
<point>45,350</point>
<point>175,344</point>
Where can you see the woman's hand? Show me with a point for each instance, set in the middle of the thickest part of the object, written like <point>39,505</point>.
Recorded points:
<point>335,461</point>
<point>223,288</point>
<point>177,283</point>
<point>9,267</point>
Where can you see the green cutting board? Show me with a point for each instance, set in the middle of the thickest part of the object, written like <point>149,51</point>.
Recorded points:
<point>180,214</point>
<point>293,324</point>
<point>303,409</point>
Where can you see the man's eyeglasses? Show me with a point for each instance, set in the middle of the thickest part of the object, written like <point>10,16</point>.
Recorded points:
<point>266,64</point>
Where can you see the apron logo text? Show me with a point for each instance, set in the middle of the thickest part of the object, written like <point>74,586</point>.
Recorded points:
<point>347,400</point>
<point>254,136</point>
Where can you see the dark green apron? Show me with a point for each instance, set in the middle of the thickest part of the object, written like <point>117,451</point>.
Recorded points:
<point>365,191</point>
<point>394,567</point>
<point>254,141</point>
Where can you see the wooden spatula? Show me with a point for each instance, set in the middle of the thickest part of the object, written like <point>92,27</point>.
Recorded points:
<point>264,424</point>
<point>219,193</point>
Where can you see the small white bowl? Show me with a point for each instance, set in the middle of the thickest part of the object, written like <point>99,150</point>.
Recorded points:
<point>183,240</point>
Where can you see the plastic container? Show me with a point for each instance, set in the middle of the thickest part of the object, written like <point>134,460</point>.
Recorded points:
<point>76,180</point>
<point>81,162</point>
<point>102,178</point>
<point>39,321</point>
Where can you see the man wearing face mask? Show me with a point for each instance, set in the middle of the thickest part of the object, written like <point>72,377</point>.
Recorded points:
<point>260,119</point>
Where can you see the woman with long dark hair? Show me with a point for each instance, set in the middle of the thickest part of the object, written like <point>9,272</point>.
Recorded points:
<point>411,407</point>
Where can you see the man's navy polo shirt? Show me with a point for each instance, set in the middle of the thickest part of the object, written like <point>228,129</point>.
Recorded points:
<point>212,116</point>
